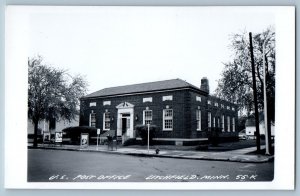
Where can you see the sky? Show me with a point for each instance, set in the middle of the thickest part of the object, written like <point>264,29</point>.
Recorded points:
<point>115,46</point>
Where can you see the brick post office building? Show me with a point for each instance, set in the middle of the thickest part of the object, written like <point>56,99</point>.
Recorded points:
<point>183,113</point>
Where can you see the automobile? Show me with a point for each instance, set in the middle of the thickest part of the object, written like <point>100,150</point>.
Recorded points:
<point>242,135</point>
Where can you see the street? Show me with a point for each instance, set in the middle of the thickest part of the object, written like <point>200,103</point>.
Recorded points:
<point>74,166</point>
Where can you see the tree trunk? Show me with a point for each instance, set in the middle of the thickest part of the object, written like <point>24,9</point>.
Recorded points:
<point>35,135</point>
<point>269,125</point>
<point>269,134</point>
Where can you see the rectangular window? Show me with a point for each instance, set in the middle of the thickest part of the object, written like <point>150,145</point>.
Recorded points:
<point>106,121</point>
<point>233,124</point>
<point>209,119</point>
<point>214,122</point>
<point>168,119</point>
<point>209,102</point>
<point>228,123</point>
<point>198,118</point>
<point>128,123</point>
<point>92,104</point>
<point>147,117</point>
<point>223,123</point>
<point>106,102</point>
<point>147,99</point>
<point>93,120</point>
<point>198,98</point>
<point>167,98</point>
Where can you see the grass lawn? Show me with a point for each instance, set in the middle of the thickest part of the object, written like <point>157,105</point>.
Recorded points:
<point>221,147</point>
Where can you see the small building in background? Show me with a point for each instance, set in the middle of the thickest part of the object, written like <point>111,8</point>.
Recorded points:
<point>51,126</point>
<point>250,128</point>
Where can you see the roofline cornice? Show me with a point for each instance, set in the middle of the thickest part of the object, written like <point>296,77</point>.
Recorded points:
<point>148,92</point>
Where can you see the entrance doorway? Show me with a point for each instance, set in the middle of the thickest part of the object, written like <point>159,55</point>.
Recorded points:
<point>125,124</point>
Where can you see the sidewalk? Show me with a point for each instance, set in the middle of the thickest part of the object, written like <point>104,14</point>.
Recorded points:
<point>240,155</point>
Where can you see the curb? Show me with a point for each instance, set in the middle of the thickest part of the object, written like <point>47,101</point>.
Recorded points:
<point>206,158</point>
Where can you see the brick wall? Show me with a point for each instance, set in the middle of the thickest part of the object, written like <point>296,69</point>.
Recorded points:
<point>184,105</point>
<point>178,105</point>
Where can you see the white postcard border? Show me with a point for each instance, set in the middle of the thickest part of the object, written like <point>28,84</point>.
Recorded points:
<point>16,111</point>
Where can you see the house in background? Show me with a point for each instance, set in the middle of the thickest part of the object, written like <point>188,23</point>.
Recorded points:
<point>183,113</point>
<point>51,126</point>
<point>250,128</point>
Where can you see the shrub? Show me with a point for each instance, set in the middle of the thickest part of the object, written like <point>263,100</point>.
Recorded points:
<point>142,131</point>
<point>214,137</point>
<point>30,136</point>
<point>202,147</point>
<point>130,141</point>
<point>74,133</point>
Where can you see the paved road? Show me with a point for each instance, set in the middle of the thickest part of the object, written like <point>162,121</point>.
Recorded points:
<point>74,166</point>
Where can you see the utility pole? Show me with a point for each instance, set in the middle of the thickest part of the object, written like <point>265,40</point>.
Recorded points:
<point>265,103</point>
<point>255,96</point>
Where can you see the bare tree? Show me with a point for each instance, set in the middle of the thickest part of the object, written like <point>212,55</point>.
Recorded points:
<point>235,84</point>
<point>52,93</point>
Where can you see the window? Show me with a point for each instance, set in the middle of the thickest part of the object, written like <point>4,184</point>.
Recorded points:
<point>222,105</point>
<point>92,120</point>
<point>106,102</point>
<point>167,98</point>
<point>223,123</point>
<point>147,117</point>
<point>92,104</point>
<point>209,119</point>
<point>106,121</point>
<point>233,124</point>
<point>209,102</point>
<point>216,104</point>
<point>233,109</point>
<point>128,123</point>
<point>218,125</point>
<point>147,99</point>
<point>198,98</point>
<point>228,123</point>
<point>167,119</point>
<point>198,118</point>
<point>214,122</point>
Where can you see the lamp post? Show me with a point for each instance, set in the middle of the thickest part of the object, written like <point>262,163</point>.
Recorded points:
<point>148,135</point>
<point>265,102</point>
<point>98,133</point>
